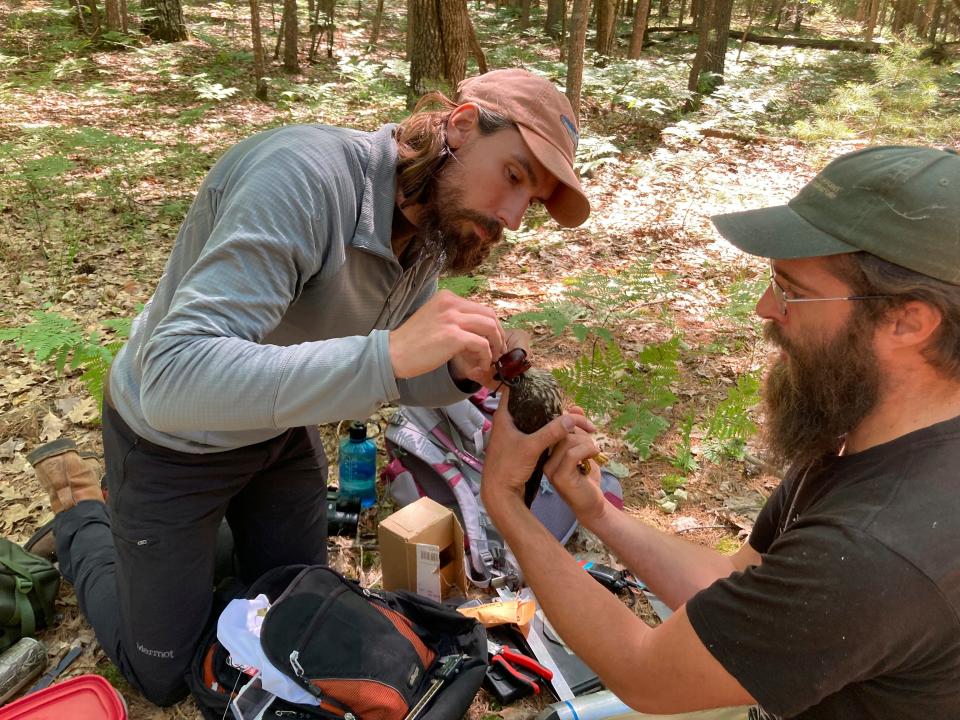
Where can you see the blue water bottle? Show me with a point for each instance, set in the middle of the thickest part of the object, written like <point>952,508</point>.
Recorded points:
<point>358,466</point>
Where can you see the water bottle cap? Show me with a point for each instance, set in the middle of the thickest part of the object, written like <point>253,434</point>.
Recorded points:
<point>358,431</point>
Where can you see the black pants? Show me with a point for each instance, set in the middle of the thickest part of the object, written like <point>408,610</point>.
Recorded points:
<point>143,570</point>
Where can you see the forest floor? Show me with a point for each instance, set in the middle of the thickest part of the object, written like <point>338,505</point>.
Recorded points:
<point>102,150</point>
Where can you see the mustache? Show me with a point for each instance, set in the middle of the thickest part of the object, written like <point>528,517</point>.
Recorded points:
<point>773,335</point>
<point>491,228</point>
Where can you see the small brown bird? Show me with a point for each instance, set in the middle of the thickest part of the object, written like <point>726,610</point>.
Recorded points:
<point>535,400</point>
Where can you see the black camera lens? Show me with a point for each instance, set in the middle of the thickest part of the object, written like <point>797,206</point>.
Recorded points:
<point>343,513</point>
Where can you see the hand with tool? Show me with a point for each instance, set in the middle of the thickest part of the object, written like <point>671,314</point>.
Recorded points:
<point>510,660</point>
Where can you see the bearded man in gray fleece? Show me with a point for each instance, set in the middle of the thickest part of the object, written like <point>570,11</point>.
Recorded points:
<point>301,290</point>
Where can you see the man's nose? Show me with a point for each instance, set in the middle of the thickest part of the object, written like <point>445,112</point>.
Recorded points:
<point>511,214</point>
<point>768,308</point>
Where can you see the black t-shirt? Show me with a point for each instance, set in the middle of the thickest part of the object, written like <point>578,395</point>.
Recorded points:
<point>854,611</point>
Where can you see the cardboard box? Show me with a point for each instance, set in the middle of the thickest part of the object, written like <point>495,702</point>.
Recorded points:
<point>421,549</point>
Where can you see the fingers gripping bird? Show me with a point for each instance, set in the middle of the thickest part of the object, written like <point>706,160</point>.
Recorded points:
<point>535,400</point>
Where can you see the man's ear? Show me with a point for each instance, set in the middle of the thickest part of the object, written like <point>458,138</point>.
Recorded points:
<point>461,124</point>
<point>912,324</point>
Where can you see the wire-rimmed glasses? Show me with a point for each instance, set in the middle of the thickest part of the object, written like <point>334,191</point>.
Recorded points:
<point>783,297</point>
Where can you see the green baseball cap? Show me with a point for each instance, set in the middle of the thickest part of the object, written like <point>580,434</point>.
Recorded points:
<point>899,203</point>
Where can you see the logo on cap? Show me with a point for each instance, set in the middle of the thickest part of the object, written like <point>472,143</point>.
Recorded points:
<point>571,130</point>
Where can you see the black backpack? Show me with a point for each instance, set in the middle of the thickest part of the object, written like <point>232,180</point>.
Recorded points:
<point>364,654</point>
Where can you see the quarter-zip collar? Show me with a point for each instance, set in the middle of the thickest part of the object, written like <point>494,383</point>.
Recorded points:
<point>375,221</point>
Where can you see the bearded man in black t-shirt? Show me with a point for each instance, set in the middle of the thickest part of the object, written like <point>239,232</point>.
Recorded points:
<point>845,602</point>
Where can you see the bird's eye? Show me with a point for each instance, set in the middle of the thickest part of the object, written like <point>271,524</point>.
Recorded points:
<point>511,365</point>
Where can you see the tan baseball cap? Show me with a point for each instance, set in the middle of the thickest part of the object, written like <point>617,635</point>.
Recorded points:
<point>547,125</point>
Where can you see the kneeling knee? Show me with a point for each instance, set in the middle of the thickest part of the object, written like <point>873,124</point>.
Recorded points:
<point>165,694</point>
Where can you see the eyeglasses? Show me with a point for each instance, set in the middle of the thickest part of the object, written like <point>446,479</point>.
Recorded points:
<point>783,297</point>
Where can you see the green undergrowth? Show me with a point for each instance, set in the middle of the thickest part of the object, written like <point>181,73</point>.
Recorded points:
<point>52,337</point>
<point>631,359</point>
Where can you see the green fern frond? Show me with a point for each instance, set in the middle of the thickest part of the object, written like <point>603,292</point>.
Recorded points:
<point>94,377</point>
<point>121,326</point>
<point>50,334</point>
<point>730,426</point>
<point>594,303</point>
<point>53,336</point>
<point>462,285</point>
<point>606,383</point>
<point>656,371</point>
<point>558,316</point>
<point>683,458</point>
<point>642,427</point>
<point>591,382</point>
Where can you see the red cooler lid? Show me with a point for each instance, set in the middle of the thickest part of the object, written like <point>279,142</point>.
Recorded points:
<point>84,697</point>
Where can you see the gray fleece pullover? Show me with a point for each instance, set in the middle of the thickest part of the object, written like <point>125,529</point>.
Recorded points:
<point>277,300</point>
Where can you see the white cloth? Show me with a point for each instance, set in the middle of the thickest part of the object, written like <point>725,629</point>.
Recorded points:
<point>238,630</point>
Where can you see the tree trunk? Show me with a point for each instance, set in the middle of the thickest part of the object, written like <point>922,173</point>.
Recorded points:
<point>683,12</point>
<point>291,37</point>
<point>87,16</point>
<point>524,14</point>
<point>375,30</point>
<point>871,22</point>
<point>439,32</point>
<point>563,46</point>
<point>409,39</point>
<point>751,9</point>
<point>579,16</point>
<point>258,64</point>
<point>798,15</point>
<point>323,20</point>
<point>552,26</point>
<point>606,19</point>
<point>114,22</point>
<point>776,9</point>
<point>711,47</point>
<point>949,20</point>
<point>456,31</point>
<point>901,9</point>
<point>719,34</point>
<point>664,10</point>
<point>934,19</point>
<point>475,49</point>
<point>124,17</point>
<point>167,23</point>
<point>426,46</point>
<point>700,57</point>
<point>641,14</point>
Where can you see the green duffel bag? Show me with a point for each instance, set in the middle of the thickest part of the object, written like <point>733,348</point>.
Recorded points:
<point>28,589</point>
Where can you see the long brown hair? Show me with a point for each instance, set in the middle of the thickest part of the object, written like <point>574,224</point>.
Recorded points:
<point>422,148</point>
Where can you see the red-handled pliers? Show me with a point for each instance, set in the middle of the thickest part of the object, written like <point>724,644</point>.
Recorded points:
<point>509,659</point>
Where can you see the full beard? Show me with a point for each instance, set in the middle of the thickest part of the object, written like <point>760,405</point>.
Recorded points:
<point>820,393</point>
<point>445,235</point>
